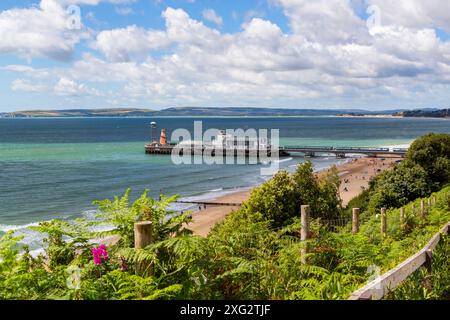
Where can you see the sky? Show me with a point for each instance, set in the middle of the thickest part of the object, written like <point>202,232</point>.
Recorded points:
<point>155,54</point>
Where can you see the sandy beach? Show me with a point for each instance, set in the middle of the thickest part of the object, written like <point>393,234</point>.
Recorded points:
<point>354,174</point>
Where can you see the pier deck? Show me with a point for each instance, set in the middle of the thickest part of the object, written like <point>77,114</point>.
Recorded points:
<point>340,152</point>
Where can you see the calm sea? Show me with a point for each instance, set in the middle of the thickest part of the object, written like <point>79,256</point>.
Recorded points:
<point>55,168</point>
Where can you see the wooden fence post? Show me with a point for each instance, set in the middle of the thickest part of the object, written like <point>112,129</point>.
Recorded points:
<point>422,208</point>
<point>413,209</point>
<point>434,200</point>
<point>355,220</point>
<point>428,282</point>
<point>143,236</point>
<point>305,212</point>
<point>402,218</point>
<point>383,222</point>
<point>429,204</point>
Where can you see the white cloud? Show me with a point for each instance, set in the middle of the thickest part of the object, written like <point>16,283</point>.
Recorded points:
<point>27,86</point>
<point>38,32</point>
<point>130,42</point>
<point>27,71</point>
<point>328,58</point>
<point>211,16</point>
<point>325,21</point>
<point>261,65</point>
<point>68,87</point>
<point>415,13</point>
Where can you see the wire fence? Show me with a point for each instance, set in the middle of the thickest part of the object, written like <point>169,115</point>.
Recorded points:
<point>339,222</point>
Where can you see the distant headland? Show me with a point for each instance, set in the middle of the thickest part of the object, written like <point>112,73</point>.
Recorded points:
<point>224,112</point>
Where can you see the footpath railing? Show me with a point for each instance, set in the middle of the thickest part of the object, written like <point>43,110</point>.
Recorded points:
<point>382,285</point>
<point>378,288</point>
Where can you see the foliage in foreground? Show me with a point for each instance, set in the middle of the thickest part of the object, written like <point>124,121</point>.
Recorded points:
<point>249,260</point>
<point>238,260</point>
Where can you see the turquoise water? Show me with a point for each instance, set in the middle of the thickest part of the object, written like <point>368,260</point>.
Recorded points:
<point>55,168</point>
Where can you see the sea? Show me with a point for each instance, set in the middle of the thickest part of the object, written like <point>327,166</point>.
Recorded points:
<point>54,168</point>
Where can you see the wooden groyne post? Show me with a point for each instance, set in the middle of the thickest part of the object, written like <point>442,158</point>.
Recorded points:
<point>305,212</point>
<point>355,220</point>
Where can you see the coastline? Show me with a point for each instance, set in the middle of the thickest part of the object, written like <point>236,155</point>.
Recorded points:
<point>354,174</point>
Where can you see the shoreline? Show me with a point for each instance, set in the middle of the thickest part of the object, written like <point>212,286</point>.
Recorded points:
<point>354,174</point>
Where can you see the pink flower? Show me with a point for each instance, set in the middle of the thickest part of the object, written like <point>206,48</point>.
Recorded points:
<point>99,254</point>
<point>103,252</point>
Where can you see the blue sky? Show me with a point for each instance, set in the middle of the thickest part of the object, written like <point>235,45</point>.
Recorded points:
<point>371,54</point>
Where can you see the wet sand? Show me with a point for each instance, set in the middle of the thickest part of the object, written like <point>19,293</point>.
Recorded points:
<point>354,175</point>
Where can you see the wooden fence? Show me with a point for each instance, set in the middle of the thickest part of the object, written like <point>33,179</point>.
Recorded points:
<point>378,288</point>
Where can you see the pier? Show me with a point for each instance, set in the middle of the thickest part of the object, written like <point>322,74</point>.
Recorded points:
<point>210,150</point>
<point>304,151</point>
<point>228,145</point>
<point>342,152</point>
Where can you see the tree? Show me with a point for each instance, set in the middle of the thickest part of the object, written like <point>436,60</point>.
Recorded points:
<point>432,152</point>
<point>277,200</point>
<point>321,194</point>
<point>398,186</point>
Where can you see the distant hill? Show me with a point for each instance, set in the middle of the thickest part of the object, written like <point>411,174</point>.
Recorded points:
<point>193,111</point>
<point>120,112</point>
<point>240,111</point>
<point>429,113</point>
